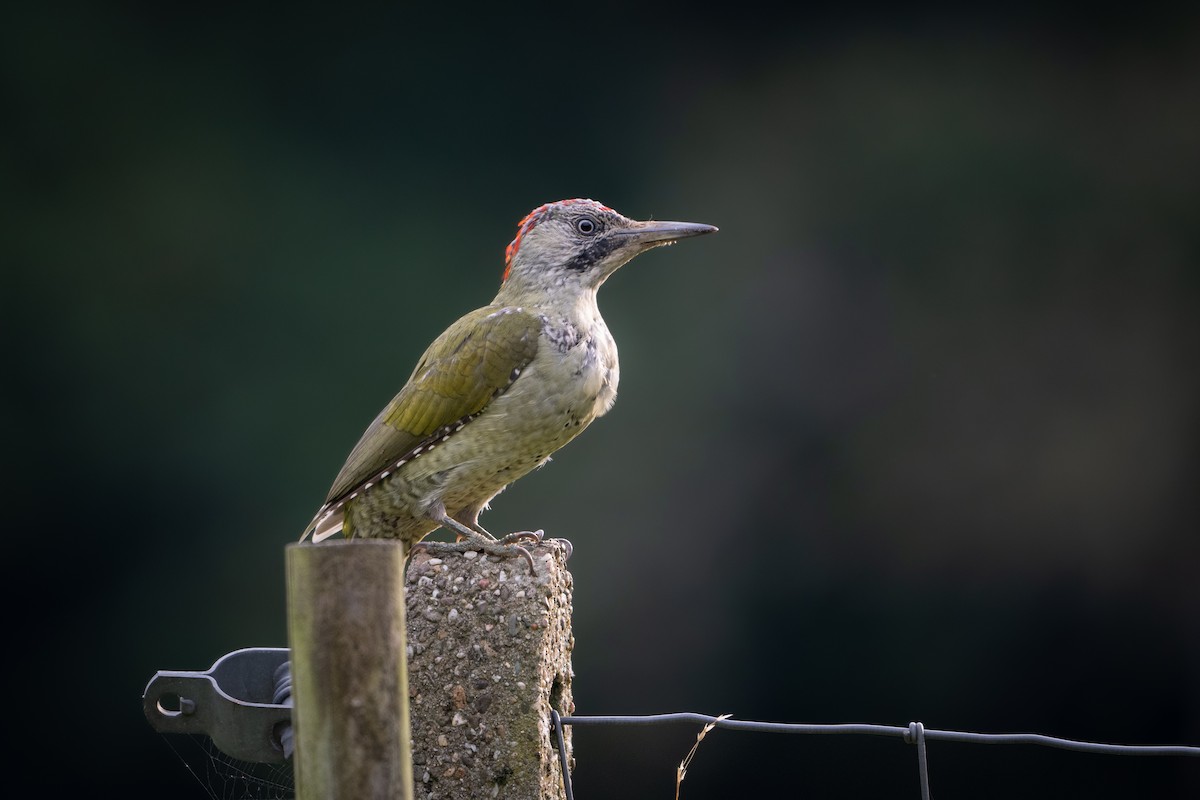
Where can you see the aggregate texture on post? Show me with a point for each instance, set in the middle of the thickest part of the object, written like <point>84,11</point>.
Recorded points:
<point>490,655</point>
<point>349,681</point>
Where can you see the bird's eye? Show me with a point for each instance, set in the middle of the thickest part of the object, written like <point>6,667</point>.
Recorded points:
<point>586,225</point>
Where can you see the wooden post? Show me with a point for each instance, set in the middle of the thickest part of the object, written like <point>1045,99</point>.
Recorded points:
<point>349,678</point>
<point>490,655</point>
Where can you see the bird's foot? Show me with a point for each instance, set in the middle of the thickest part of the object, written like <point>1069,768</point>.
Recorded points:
<point>492,547</point>
<point>527,537</point>
<point>537,537</point>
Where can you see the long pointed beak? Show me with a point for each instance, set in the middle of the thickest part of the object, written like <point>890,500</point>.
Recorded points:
<point>655,232</point>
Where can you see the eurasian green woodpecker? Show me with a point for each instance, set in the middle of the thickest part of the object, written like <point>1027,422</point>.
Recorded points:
<point>501,389</point>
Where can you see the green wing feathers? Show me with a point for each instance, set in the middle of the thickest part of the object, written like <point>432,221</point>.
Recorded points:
<point>473,361</point>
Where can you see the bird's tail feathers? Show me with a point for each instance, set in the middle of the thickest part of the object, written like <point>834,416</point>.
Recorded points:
<point>326,523</point>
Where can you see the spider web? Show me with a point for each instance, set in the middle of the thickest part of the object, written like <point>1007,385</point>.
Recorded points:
<point>225,778</point>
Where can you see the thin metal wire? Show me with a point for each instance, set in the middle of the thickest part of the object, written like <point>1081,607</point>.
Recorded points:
<point>915,733</point>
<point>562,754</point>
<point>894,731</point>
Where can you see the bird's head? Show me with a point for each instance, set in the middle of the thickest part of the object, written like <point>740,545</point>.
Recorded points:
<point>579,243</point>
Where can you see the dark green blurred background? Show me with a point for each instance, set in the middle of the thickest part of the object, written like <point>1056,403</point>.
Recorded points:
<point>913,437</point>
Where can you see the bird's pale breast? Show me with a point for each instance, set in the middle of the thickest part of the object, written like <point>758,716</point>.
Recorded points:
<point>571,381</point>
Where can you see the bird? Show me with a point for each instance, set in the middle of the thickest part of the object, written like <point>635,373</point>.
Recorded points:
<point>500,390</point>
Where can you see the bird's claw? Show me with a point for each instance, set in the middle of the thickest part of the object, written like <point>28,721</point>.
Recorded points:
<point>528,537</point>
<point>500,549</point>
<point>568,548</point>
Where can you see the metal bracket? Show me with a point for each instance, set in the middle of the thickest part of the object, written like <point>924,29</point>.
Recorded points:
<point>243,703</point>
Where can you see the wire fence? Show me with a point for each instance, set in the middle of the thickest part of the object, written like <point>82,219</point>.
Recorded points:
<point>224,777</point>
<point>915,733</point>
